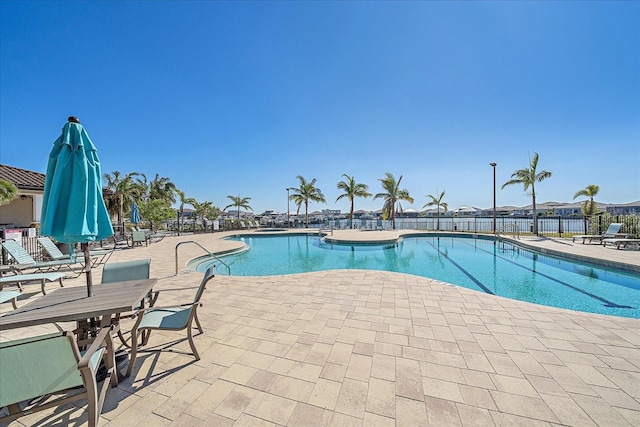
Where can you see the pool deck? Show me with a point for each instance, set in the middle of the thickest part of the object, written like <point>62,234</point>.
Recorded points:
<point>368,348</point>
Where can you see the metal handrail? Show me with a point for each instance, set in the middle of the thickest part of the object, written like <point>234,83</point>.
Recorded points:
<point>514,229</point>
<point>328,227</point>
<point>204,249</point>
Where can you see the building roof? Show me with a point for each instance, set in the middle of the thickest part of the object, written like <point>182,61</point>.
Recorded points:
<point>22,178</point>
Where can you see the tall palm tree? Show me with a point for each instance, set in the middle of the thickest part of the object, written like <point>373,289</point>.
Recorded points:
<point>528,177</point>
<point>589,206</point>
<point>307,191</point>
<point>392,196</point>
<point>239,202</point>
<point>162,188</point>
<point>184,200</point>
<point>437,201</point>
<point>125,189</point>
<point>352,189</point>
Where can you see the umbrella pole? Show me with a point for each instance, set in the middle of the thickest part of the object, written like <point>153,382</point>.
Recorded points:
<point>87,265</point>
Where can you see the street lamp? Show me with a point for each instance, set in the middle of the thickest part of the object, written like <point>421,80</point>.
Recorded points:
<point>288,222</point>
<point>493,165</point>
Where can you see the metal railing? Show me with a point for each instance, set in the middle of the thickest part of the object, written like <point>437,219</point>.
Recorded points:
<point>211,254</point>
<point>515,230</point>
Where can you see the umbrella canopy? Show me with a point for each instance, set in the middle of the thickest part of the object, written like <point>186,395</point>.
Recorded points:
<point>135,213</point>
<point>73,210</point>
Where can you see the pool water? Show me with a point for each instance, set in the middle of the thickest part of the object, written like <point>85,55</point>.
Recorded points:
<point>501,269</point>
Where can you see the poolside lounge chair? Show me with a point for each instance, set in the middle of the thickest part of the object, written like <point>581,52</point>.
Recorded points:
<point>622,243</point>
<point>613,231</point>
<point>53,364</point>
<point>54,253</point>
<point>25,261</point>
<point>43,278</point>
<point>174,318</point>
<point>9,296</point>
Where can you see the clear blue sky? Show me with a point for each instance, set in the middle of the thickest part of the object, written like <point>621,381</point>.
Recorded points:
<point>237,98</point>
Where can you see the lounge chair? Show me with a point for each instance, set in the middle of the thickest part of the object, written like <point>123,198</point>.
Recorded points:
<point>53,364</point>
<point>52,251</point>
<point>9,296</point>
<point>622,242</point>
<point>613,231</point>
<point>124,271</point>
<point>174,318</point>
<point>43,278</point>
<point>26,261</point>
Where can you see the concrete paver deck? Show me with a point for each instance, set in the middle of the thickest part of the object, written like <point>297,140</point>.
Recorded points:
<point>360,347</point>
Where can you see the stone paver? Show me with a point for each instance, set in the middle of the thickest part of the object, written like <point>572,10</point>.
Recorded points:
<point>355,347</point>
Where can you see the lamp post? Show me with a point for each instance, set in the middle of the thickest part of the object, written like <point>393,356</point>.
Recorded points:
<point>288,222</point>
<point>493,165</point>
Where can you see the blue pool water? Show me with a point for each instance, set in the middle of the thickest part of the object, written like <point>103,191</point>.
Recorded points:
<point>500,269</point>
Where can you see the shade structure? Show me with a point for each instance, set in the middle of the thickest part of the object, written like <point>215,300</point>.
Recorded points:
<point>135,213</point>
<point>73,210</point>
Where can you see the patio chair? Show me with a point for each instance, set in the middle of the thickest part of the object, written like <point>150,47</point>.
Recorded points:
<point>26,261</point>
<point>121,272</point>
<point>36,367</point>
<point>174,318</point>
<point>139,237</point>
<point>54,253</point>
<point>613,231</point>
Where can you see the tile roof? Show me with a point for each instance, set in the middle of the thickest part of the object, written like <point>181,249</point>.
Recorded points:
<point>22,178</point>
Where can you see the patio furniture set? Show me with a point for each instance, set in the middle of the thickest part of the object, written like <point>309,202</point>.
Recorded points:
<point>74,358</point>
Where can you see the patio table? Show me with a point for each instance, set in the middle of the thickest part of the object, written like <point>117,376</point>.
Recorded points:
<point>73,305</point>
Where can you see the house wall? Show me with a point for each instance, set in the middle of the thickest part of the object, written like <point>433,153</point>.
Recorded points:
<point>19,213</point>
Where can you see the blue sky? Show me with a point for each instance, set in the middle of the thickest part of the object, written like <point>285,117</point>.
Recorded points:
<point>238,98</point>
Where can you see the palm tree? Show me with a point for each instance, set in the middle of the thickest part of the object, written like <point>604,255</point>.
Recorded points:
<point>589,207</point>
<point>163,189</point>
<point>239,202</point>
<point>437,201</point>
<point>183,201</point>
<point>392,196</point>
<point>8,192</point>
<point>307,191</point>
<point>528,177</point>
<point>352,190</point>
<point>124,191</point>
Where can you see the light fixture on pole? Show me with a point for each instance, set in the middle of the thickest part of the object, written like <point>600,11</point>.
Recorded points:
<point>288,221</point>
<point>493,165</point>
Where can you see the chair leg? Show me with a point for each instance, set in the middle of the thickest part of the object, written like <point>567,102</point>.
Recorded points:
<point>198,321</point>
<point>92,396</point>
<point>191,343</point>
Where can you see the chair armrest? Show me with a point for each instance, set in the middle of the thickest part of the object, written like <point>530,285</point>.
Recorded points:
<point>104,334</point>
<point>142,310</point>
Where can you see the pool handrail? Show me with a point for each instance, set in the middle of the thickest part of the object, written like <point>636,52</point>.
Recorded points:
<point>514,229</point>
<point>211,254</point>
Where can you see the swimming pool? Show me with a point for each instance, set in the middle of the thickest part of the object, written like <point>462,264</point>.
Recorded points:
<point>476,263</point>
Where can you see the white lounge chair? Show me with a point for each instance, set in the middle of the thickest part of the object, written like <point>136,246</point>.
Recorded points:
<point>613,231</point>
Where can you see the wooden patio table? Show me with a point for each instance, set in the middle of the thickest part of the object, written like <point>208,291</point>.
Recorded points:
<point>72,304</point>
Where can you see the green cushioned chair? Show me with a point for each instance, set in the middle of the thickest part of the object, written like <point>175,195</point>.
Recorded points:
<point>128,270</point>
<point>53,364</point>
<point>173,318</point>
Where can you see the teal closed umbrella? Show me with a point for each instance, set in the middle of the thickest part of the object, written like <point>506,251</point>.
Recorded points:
<point>73,210</point>
<point>135,213</point>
